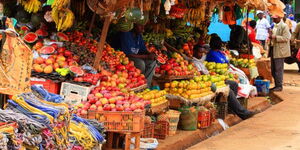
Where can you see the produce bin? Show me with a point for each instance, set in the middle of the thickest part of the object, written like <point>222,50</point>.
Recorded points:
<point>188,119</point>
<point>48,85</point>
<point>204,119</point>
<point>148,131</point>
<point>262,87</point>
<point>173,119</point>
<point>161,129</point>
<point>121,121</point>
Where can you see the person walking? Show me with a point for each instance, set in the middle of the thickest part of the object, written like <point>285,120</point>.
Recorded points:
<point>279,50</point>
<point>262,28</point>
<point>296,39</point>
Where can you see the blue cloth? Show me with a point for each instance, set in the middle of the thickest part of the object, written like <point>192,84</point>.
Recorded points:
<point>289,9</point>
<point>216,56</point>
<point>129,43</point>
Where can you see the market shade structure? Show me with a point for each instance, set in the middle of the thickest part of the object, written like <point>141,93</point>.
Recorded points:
<point>274,7</point>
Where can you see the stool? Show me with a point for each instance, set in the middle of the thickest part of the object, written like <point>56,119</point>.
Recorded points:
<point>127,140</point>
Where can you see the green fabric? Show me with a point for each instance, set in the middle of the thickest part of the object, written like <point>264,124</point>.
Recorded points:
<point>50,2</point>
<point>238,12</point>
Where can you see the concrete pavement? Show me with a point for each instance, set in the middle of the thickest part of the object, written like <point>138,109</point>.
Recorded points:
<point>278,128</point>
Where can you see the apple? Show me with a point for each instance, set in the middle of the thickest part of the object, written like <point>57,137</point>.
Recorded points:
<point>127,109</point>
<point>83,112</point>
<point>91,96</point>
<point>112,100</point>
<point>107,95</point>
<point>114,109</point>
<point>119,102</point>
<point>133,107</point>
<point>112,105</point>
<point>93,107</point>
<point>100,108</point>
<point>93,100</point>
<point>98,103</point>
<point>107,107</point>
<point>98,95</point>
<point>104,101</point>
<point>119,108</point>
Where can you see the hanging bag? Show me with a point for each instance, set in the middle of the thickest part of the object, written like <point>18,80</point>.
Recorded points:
<point>15,63</point>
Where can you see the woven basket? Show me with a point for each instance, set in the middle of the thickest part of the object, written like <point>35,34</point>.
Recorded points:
<point>173,119</point>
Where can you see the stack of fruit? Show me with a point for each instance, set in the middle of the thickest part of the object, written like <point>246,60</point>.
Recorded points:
<point>111,99</point>
<point>61,59</point>
<point>189,89</point>
<point>218,80</point>
<point>155,96</point>
<point>123,71</point>
<point>177,66</point>
<point>243,62</point>
<point>217,68</point>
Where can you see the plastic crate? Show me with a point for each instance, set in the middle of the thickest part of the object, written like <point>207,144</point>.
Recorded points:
<point>120,121</point>
<point>49,85</point>
<point>148,131</point>
<point>222,109</point>
<point>73,93</point>
<point>161,129</point>
<point>213,115</point>
<point>262,87</point>
<point>204,119</point>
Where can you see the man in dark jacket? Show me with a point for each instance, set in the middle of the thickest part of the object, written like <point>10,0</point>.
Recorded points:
<point>239,38</point>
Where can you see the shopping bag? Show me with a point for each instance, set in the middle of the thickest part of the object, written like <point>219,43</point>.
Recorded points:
<point>15,64</point>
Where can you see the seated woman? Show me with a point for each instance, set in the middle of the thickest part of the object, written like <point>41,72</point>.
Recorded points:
<point>216,55</point>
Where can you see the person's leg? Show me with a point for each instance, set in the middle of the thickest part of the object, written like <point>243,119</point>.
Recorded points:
<point>236,107</point>
<point>273,69</point>
<point>298,63</point>
<point>139,63</point>
<point>233,86</point>
<point>149,70</point>
<point>279,69</point>
<point>263,43</point>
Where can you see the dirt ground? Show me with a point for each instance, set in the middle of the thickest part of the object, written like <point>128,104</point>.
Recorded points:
<point>274,129</point>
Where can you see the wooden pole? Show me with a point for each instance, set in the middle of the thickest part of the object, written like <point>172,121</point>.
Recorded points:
<point>101,43</point>
<point>92,23</point>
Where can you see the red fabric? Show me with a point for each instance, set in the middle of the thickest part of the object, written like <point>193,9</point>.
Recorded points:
<point>298,55</point>
<point>252,35</point>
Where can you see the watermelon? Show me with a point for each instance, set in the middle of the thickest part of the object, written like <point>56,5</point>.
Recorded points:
<point>41,33</point>
<point>46,50</point>
<point>25,28</point>
<point>77,71</point>
<point>62,37</point>
<point>161,60</point>
<point>30,37</point>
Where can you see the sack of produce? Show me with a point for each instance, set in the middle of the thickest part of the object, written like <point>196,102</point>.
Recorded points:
<point>188,118</point>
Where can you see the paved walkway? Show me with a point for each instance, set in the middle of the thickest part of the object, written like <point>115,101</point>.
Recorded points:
<point>278,128</point>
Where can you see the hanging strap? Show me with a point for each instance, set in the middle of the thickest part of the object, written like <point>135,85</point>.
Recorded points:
<point>2,41</point>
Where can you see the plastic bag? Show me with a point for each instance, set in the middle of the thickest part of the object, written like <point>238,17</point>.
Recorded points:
<point>188,118</point>
<point>146,143</point>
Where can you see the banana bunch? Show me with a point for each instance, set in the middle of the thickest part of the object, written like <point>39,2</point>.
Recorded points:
<point>195,16</point>
<point>63,18</point>
<point>169,33</point>
<point>60,4</point>
<point>154,38</point>
<point>31,6</point>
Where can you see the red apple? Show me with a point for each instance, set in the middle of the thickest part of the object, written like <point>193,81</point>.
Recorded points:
<point>107,107</point>
<point>98,95</point>
<point>100,108</point>
<point>93,107</point>
<point>98,103</point>
<point>83,112</point>
<point>133,107</point>
<point>112,105</point>
<point>119,108</point>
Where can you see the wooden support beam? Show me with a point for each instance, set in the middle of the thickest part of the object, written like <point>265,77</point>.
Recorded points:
<point>101,43</point>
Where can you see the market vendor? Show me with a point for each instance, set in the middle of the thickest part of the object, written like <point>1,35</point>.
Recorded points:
<point>233,103</point>
<point>134,47</point>
<point>239,39</point>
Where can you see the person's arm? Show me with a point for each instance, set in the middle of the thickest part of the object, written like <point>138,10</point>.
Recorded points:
<point>295,34</point>
<point>285,37</point>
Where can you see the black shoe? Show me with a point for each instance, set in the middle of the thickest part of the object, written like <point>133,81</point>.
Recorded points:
<point>251,114</point>
<point>276,89</point>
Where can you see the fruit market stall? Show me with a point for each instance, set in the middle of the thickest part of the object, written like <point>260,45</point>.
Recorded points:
<point>95,88</point>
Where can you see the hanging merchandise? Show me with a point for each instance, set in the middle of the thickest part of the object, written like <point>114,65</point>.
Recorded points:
<point>16,62</point>
<point>167,6</point>
<point>31,6</point>
<point>229,14</point>
<point>238,12</point>
<point>63,18</point>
